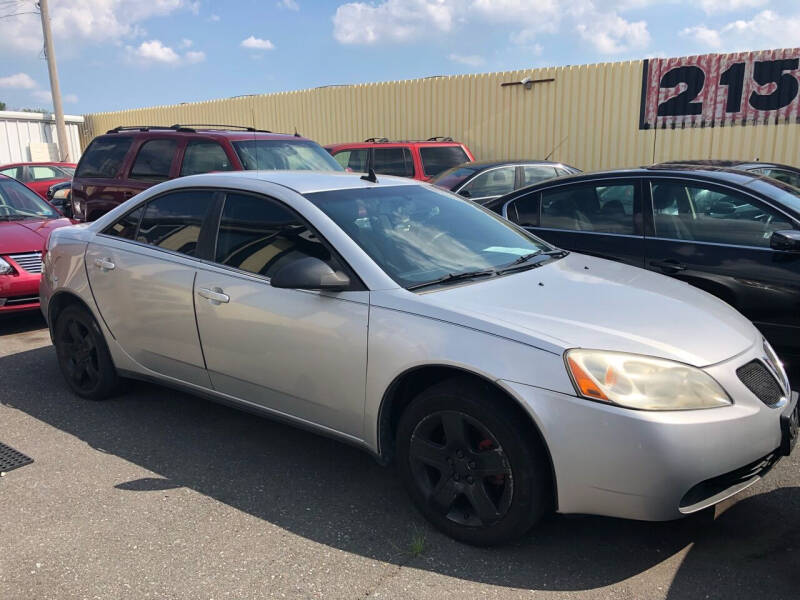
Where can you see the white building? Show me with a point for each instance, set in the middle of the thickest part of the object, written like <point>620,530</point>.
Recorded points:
<point>26,137</point>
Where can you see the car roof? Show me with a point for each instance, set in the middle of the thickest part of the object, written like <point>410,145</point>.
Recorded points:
<point>485,164</point>
<point>208,133</point>
<point>49,163</point>
<point>389,143</point>
<point>302,182</point>
<point>728,163</point>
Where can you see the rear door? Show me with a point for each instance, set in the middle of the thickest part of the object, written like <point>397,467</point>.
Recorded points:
<point>393,160</point>
<point>142,271</point>
<point>154,161</point>
<point>600,217</point>
<point>718,239</point>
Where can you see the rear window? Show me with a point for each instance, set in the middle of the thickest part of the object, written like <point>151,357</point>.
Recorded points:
<point>104,157</point>
<point>436,159</point>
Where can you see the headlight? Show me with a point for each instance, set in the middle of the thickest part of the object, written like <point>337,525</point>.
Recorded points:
<point>62,193</point>
<point>5,268</point>
<point>642,382</point>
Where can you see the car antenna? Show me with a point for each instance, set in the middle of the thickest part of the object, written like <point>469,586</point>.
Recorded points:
<point>556,148</point>
<point>295,132</point>
<point>370,176</point>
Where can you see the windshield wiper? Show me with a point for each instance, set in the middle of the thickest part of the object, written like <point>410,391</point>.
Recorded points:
<point>453,277</point>
<point>519,263</point>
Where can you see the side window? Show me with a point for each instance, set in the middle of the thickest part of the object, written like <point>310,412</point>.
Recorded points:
<point>525,210</point>
<point>203,157</point>
<point>41,173</point>
<point>14,172</point>
<point>393,161</point>
<point>436,159</point>
<point>173,221</point>
<point>104,157</point>
<point>355,160</point>
<point>259,235</point>
<point>494,182</point>
<point>154,160</point>
<point>783,175</point>
<point>127,226</point>
<point>600,208</point>
<point>534,173</point>
<point>707,214</point>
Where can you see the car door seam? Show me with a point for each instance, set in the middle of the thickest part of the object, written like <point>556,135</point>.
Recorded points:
<point>197,327</point>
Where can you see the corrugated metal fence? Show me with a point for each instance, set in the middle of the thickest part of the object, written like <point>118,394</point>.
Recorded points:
<point>26,136</point>
<point>587,116</point>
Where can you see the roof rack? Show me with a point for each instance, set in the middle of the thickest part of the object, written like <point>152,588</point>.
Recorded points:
<point>439,138</point>
<point>377,140</point>
<point>189,127</point>
<point>383,140</point>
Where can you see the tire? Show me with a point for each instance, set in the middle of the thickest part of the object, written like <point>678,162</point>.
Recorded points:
<point>83,355</point>
<point>489,455</point>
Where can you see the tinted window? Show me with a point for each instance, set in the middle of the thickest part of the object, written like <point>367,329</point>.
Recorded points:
<point>525,210</point>
<point>280,155</point>
<point>41,173</point>
<point>452,178</point>
<point>708,214</point>
<point>393,161</point>
<point>417,234</point>
<point>261,236</point>
<point>204,157</point>
<point>783,175</point>
<point>494,182</point>
<point>173,222</point>
<point>436,159</point>
<point>534,173</point>
<point>154,160</point>
<point>127,226</point>
<point>355,160</point>
<point>104,157</point>
<point>604,208</point>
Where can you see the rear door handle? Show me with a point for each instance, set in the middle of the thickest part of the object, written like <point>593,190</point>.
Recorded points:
<point>104,264</point>
<point>668,266</point>
<point>214,295</point>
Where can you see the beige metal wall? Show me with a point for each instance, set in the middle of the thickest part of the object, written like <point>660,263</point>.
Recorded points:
<point>588,117</point>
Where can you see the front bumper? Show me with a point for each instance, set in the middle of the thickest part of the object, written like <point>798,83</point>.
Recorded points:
<point>19,292</point>
<point>652,465</point>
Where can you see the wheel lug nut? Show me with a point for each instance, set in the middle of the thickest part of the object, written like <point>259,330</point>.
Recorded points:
<point>472,464</point>
<point>470,480</point>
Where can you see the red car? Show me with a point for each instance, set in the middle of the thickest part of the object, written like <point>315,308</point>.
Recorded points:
<point>25,224</point>
<point>39,176</point>
<point>419,159</point>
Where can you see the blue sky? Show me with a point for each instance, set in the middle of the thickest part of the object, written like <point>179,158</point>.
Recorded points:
<point>116,54</point>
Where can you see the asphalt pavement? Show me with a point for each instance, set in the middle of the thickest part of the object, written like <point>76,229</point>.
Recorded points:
<point>157,494</point>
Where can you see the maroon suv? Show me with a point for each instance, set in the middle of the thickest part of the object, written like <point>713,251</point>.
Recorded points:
<point>127,160</point>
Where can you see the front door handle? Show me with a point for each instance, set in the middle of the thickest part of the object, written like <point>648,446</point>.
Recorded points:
<point>214,295</point>
<point>668,266</point>
<point>104,264</point>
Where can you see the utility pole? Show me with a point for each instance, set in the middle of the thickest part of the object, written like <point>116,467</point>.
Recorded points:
<point>55,89</point>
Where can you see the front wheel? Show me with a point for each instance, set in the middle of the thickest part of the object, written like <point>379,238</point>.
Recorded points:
<point>83,355</point>
<point>471,465</point>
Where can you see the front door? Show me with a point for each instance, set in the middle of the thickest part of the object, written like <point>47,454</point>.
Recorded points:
<point>718,239</point>
<point>299,353</point>
<point>141,271</point>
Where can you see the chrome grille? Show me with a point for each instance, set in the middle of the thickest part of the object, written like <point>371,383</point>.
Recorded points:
<point>30,261</point>
<point>759,380</point>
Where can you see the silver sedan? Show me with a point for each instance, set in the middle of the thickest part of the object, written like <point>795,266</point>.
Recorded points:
<point>504,376</point>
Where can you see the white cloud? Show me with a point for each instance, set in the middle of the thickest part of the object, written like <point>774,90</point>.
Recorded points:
<point>186,43</point>
<point>20,81</point>
<point>392,20</point>
<point>290,4</point>
<point>255,43</point>
<point>611,34</point>
<point>46,96</point>
<point>717,6</point>
<point>471,60</point>
<point>213,18</point>
<point>766,29</point>
<point>70,98</point>
<point>155,52</point>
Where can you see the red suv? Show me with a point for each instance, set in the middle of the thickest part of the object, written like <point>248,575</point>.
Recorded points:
<point>422,159</point>
<point>127,160</point>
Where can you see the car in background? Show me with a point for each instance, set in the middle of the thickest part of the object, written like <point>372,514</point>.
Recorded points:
<point>784,173</point>
<point>26,222</point>
<point>417,159</point>
<point>39,176</point>
<point>505,376</point>
<point>60,196</point>
<point>481,181</point>
<point>732,233</point>
<point>128,160</point>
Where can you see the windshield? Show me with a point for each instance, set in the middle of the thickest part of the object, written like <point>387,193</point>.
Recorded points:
<point>17,202</point>
<point>452,178</point>
<point>284,155</point>
<point>779,191</point>
<point>417,234</point>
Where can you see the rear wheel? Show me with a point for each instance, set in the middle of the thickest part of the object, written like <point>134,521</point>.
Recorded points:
<point>83,355</point>
<point>472,468</point>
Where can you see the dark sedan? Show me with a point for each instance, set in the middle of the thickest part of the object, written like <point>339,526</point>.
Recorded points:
<point>485,180</point>
<point>784,173</point>
<point>732,233</point>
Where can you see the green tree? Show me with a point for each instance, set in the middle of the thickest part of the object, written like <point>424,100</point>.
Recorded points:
<point>2,105</point>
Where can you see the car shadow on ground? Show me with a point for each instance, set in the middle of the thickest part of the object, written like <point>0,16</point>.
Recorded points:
<point>337,495</point>
<point>13,323</point>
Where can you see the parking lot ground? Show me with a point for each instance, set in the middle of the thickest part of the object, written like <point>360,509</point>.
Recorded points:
<point>157,494</point>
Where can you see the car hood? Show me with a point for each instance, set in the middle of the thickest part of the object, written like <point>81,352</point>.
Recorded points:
<point>27,236</point>
<point>586,302</point>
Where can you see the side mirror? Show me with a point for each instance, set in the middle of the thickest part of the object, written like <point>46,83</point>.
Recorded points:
<point>787,240</point>
<point>310,273</point>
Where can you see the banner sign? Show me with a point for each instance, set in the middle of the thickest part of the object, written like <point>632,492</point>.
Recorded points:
<point>753,88</point>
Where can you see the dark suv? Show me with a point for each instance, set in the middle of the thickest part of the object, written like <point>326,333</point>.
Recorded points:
<point>127,160</point>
